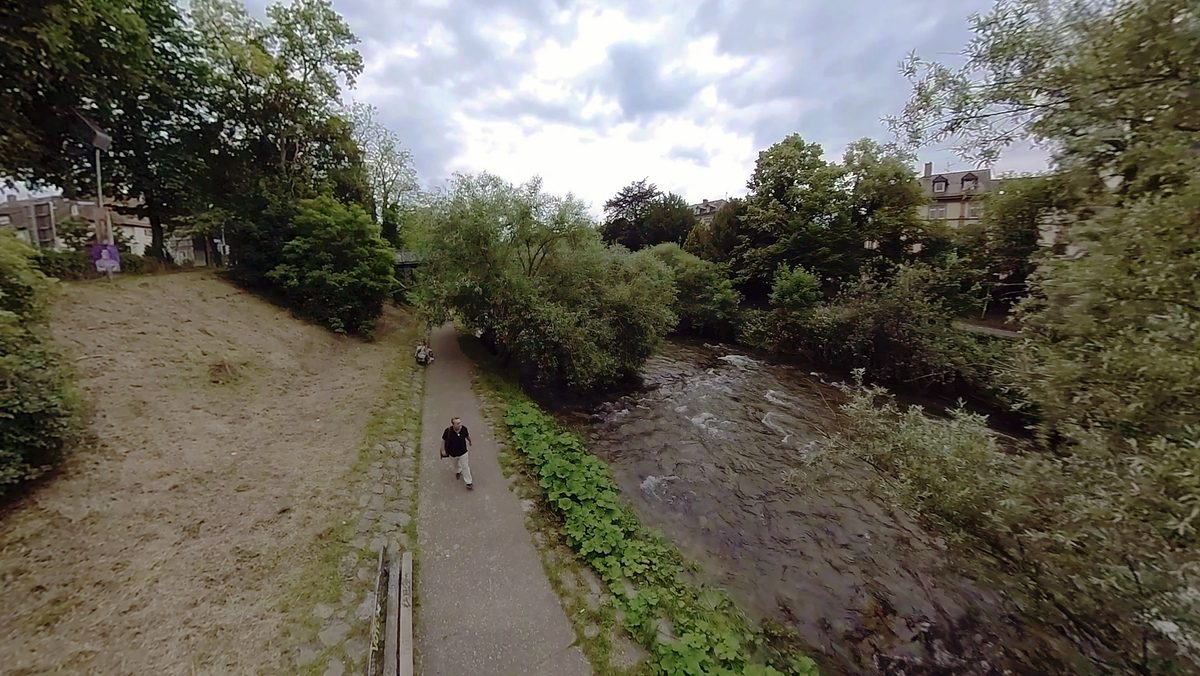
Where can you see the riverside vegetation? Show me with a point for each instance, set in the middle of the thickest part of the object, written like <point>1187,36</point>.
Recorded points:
<point>688,628</point>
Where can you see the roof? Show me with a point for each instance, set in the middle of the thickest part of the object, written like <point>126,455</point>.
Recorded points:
<point>706,207</point>
<point>954,183</point>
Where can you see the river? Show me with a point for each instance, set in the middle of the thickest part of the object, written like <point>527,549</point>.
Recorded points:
<point>709,451</point>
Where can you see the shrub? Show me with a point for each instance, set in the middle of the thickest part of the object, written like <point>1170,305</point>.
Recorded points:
<point>899,331</point>
<point>706,302</point>
<point>336,268</point>
<point>529,272</point>
<point>1100,539</point>
<point>795,294</point>
<point>77,265</point>
<point>38,406</point>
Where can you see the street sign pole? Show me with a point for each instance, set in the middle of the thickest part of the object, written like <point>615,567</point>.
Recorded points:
<point>101,214</point>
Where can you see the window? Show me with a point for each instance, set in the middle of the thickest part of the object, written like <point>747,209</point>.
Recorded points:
<point>939,184</point>
<point>5,219</point>
<point>974,210</point>
<point>937,211</point>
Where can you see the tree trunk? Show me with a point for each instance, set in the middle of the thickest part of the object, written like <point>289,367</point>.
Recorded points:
<point>158,245</point>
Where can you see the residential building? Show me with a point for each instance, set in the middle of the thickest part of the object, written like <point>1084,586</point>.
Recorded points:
<point>706,210</point>
<point>37,221</point>
<point>34,220</point>
<point>955,197</point>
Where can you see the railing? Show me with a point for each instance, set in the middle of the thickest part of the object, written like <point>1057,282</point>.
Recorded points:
<point>395,656</point>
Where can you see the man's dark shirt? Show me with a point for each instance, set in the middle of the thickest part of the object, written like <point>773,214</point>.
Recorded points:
<point>456,442</point>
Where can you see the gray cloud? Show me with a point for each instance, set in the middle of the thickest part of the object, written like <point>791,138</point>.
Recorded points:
<point>842,56</point>
<point>425,91</point>
<point>825,70</point>
<point>636,76</point>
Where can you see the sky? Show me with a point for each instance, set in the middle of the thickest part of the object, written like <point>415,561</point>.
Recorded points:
<point>592,95</point>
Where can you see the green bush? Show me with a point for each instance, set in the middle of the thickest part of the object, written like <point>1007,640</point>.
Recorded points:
<point>76,265</point>
<point>336,268</point>
<point>706,302</point>
<point>1100,539</point>
<point>795,295</point>
<point>528,271</point>
<point>899,331</point>
<point>38,406</point>
<point>645,574</point>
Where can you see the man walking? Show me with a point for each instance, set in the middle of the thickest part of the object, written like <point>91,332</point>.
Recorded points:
<point>456,441</point>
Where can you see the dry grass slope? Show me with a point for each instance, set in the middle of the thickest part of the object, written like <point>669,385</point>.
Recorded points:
<point>226,429</point>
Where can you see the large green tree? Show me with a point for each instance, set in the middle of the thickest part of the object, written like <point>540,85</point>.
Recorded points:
<point>281,137</point>
<point>134,69</point>
<point>1112,361</point>
<point>797,213</point>
<point>884,195</point>
<point>57,57</point>
<point>640,215</point>
<point>528,270</point>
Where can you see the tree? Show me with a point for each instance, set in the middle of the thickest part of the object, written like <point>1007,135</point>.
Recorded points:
<point>389,166</point>
<point>281,140</point>
<point>796,214</point>
<point>134,69</point>
<point>336,268</point>
<point>705,300</point>
<point>1112,360</point>
<point>58,57</point>
<point>529,272</point>
<point>625,212</point>
<point>884,195</point>
<point>1003,247</point>
<point>716,240</point>
<point>640,215</point>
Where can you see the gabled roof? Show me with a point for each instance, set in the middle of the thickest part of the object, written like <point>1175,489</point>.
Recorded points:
<point>954,183</point>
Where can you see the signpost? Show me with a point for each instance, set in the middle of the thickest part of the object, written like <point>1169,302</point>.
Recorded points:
<point>91,133</point>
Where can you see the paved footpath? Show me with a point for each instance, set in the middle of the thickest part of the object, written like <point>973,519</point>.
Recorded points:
<point>484,604</point>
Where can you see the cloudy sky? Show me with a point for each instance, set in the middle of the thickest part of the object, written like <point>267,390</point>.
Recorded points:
<point>591,95</point>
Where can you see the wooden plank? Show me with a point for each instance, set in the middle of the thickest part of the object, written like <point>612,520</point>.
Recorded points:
<point>406,619</point>
<point>373,666</point>
<point>392,624</point>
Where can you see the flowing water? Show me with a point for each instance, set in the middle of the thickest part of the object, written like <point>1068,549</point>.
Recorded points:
<point>708,451</point>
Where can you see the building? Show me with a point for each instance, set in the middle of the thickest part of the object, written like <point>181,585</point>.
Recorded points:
<point>38,222</point>
<point>34,220</point>
<point>955,198</point>
<point>705,210</point>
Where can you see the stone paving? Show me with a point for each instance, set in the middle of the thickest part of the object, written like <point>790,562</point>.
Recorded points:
<point>381,516</point>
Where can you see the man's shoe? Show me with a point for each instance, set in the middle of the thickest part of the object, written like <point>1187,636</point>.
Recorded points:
<point>457,476</point>
<point>471,486</point>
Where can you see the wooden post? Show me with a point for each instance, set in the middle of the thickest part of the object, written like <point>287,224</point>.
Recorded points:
<point>406,619</point>
<point>392,624</point>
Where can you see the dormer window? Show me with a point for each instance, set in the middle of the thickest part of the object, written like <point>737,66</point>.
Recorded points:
<point>940,183</point>
<point>970,182</point>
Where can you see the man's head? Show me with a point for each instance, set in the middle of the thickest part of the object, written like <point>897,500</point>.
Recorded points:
<point>456,423</point>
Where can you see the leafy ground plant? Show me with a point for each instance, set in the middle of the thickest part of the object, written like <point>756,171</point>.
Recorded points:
<point>688,629</point>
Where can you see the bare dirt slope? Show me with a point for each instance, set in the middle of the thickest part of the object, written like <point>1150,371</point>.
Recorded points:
<point>226,429</point>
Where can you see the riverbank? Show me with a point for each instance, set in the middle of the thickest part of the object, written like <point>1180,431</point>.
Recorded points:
<point>718,450</point>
